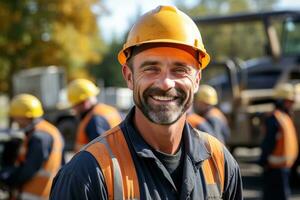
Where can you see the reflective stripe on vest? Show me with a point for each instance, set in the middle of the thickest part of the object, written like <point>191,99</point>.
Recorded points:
<point>28,196</point>
<point>114,158</point>
<point>109,113</point>
<point>195,120</point>
<point>112,153</point>
<point>286,148</point>
<point>39,186</point>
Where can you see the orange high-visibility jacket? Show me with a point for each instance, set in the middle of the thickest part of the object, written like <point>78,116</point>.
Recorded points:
<point>109,113</point>
<point>195,120</point>
<point>113,155</point>
<point>215,112</point>
<point>286,147</point>
<point>38,187</point>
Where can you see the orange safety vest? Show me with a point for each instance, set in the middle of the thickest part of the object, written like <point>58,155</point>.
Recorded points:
<point>215,112</point>
<point>195,120</point>
<point>38,187</point>
<point>113,156</point>
<point>107,112</point>
<point>286,148</point>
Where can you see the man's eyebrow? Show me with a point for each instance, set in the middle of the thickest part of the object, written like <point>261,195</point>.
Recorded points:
<point>148,62</point>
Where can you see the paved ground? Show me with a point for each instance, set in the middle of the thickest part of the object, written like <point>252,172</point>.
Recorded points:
<point>251,174</point>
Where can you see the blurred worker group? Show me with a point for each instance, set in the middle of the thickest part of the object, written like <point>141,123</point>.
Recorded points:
<point>40,154</point>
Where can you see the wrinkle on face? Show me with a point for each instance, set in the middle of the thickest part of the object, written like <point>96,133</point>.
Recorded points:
<point>163,72</point>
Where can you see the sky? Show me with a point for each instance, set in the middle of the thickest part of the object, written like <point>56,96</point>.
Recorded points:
<point>124,12</point>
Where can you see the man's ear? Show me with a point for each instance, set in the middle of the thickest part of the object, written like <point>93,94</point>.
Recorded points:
<point>127,75</point>
<point>197,81</point>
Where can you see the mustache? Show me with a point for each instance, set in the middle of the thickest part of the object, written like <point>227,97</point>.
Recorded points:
<point>173,92</point>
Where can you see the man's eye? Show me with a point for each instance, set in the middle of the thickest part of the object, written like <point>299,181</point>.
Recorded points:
<point>181,71</point>
<point>150,69</point>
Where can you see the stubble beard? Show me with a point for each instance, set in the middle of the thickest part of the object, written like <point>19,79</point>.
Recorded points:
<point>165,114</point>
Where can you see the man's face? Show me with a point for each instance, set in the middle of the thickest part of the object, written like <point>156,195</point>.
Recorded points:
<point>23,122</point>
<point>163,80</point>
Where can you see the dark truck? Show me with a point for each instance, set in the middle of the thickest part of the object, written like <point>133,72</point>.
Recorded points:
<point>246,87</point>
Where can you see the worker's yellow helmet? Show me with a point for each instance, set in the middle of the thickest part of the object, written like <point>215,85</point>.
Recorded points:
<point>285,91</point>
<point>165,24</point>
<point>80,90</point>
<point>207,94</point>
<point>26,105</point>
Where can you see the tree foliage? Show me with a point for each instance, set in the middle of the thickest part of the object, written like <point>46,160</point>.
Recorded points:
<point>40,33</point>
<point>109,70</point>
<point>231,40</point>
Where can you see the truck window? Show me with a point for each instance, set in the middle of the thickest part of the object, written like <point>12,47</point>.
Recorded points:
<point>291,37</point>
<point>262,80</point>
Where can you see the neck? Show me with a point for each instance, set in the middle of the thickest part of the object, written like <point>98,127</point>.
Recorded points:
<point>164,138</point>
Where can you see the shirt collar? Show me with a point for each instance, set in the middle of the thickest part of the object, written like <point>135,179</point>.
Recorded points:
<point>194,145</point>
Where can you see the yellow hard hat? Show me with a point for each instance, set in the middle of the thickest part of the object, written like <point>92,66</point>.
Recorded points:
<point>26,105</point>
<point>80,90</point>
<point>207,94</point>
<point>165,24</point>
<point>285,91</point>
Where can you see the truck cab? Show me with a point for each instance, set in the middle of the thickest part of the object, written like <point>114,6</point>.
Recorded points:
<point>246,85</point>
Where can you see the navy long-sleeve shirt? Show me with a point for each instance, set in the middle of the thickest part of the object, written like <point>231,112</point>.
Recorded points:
<point>39,148</point>
<point>269,141</point>
<point>82,177</point>
<point>96,126</point>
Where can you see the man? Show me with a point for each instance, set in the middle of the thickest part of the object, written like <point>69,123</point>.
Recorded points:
<point>154,153</point>
<point>198,122</point>
<point>40,155</point>
<point>280,146</point>
<point>95,118</point>
<point>205,103</point>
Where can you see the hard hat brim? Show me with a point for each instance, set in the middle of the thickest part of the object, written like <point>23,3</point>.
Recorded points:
<point>204,57</point>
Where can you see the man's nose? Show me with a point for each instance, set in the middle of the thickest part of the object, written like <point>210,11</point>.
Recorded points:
<point>165,81</point>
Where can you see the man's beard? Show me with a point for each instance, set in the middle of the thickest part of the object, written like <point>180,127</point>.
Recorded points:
<point>164,113</point>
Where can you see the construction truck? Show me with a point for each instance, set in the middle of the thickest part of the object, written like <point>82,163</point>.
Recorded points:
<point>246,87</point>
<point>49,85</point>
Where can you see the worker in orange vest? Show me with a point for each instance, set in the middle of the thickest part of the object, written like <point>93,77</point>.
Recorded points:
<point>198,122</point>
<point>205,103</point>
<point>280,146</point>
<point>95,118</point>
<point>154,153</point>
<point>40,155</point>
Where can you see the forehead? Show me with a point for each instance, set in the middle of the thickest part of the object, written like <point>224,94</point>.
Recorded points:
<point>166,54</point>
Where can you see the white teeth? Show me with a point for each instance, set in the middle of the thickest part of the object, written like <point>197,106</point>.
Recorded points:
<point>163,98</point>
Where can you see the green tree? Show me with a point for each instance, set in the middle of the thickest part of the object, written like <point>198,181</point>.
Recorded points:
<point>110,69</point>
<point>40,33</point>
<point>231,40</point>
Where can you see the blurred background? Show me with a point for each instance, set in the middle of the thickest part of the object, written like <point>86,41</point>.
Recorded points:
<point>254,46</point>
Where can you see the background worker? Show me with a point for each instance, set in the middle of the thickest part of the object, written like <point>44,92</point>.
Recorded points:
<point>280,146</point>
<point>95,118</point>
<point>40,155</point>
<point>205,103</point>
<point>154,153</point>
<point>198,122</point>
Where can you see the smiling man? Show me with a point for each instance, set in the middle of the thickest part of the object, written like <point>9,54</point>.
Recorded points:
<point>154,153</point>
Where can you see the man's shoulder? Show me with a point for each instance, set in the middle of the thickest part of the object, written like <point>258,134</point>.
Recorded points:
<point>82,163</point>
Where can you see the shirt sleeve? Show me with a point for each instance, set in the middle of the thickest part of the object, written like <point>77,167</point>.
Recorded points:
<point>233,187</point>
<point>96,126</point>
<point>80,179</point>
<point>39,148</point>
<point>269,141</point>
